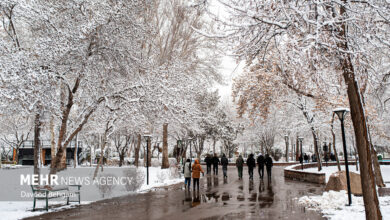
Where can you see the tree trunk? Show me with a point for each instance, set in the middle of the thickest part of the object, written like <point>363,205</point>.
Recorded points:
<point>336,155</point>
<point>377,169</point>
<point>315,138</point>
<point>52,137</point>
<point>165,161</point>
<point>149,151</point>
<point>90,156</point>
<point>37,142</point>
<point>214,145</point>
<point>297,150</point>
<point>334,145</point>
<point>76,147</point>
<point>121,159</point>
<point>136,153</point>
<point>286,150</point>
<point>370,196</point>
<point>103,145</point>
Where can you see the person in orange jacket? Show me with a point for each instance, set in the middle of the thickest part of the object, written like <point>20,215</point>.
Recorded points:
<point>196,170</point>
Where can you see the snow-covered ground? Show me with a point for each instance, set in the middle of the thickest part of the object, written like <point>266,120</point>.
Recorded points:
<point>333,204</point>
<point>14,206</point>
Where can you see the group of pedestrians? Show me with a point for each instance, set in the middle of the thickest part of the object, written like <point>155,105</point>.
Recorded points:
<point>251,163</point>
<point>195,169</point>
<point>214,161</point>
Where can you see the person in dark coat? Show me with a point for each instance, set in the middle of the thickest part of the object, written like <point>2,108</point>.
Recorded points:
<point>300,158</point>
<point>268,164</point>
<point>306,158</point>
<point>251,163</point>
<point>224,163</point>
<point>215,164</point>
<point>208,161</point>
<point>260,164</point>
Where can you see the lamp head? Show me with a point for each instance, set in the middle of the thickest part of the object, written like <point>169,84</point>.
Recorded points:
<point>147,136</point>
<point>300,139</point>
<point>341,112</point>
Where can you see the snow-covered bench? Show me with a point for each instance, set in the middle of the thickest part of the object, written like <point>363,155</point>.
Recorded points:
<point>46,193</point>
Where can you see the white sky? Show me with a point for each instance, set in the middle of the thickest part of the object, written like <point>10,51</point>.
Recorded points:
<point>229,69</point>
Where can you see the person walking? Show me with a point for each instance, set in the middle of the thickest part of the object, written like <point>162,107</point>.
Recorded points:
<point>268,165</point>
<point>306,158</point>
<point>251,163</point>
<point>224,163</point>
<point>208,161</point>
<point>300,158</point>
<point>196,170</point>
<point>260,164</point>
<point>215,164</point>
<point>239,165</point>
<point>187,174</point>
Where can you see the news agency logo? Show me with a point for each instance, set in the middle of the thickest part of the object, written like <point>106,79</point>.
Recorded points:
<point>35,179</point>
<point>54,180</point>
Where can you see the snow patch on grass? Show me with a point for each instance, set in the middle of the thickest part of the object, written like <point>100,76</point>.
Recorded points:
<point>333,205</point>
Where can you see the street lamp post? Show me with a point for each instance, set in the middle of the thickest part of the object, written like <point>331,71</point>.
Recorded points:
<point>300,139</point>
<point>147,138</point>
<point>341,112</point>
<point>286,139</point>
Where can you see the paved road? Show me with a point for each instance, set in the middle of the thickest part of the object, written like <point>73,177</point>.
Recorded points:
<point>218,199</point>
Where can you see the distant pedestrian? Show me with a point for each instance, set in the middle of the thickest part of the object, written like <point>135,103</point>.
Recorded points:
<point>300,158</point>
<point>313,158</point>
<point>260,164</point>
<point>208,161</point>
<point>239,165</point>
<point>196,170</point>
<point>187,174</point>
<point>306,158</point>
<point>332,157</point>
<point>224,163</point>
<point>268,165</point>
<point>215,164</point>
<point>251,163</point>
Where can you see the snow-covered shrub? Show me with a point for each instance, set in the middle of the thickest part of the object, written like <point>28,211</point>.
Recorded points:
<point>161,176</point>
<point>136,178</point>
<point>172,162</point>
<point>155,162</point>
<point>174,172</point>
<point>104,188</point>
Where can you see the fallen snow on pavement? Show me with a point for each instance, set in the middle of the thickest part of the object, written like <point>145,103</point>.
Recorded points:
<point>333,205</point>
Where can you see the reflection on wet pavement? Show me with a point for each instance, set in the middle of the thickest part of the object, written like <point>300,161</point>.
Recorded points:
<point>234,199</point>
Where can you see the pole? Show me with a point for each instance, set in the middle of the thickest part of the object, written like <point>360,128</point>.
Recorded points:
<point>301,152</point>
<point>346,162</point>
<point>147,160</point>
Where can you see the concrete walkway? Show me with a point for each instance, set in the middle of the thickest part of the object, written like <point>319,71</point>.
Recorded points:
<point>218,199</point>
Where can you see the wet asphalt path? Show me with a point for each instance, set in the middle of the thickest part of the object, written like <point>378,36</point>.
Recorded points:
<point>219,198</point>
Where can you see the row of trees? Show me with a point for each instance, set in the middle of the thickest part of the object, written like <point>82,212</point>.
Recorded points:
<point>116,69</point>
<point>308,57</point>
